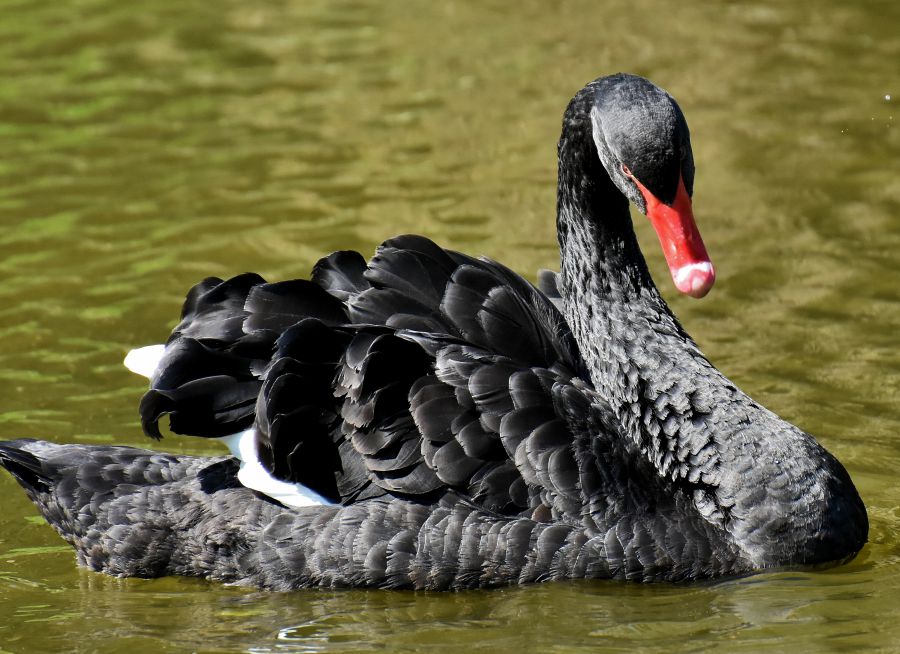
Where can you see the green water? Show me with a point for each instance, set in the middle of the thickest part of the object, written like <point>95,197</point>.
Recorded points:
<point>145,145</point>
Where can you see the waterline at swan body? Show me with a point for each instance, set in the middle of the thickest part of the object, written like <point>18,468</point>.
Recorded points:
<point>428,419</point>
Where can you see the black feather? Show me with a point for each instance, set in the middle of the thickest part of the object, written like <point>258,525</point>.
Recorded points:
<point>276,307</point>
<point>341,274</point>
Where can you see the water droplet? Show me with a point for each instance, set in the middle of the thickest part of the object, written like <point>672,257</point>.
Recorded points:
<point>887,97</point>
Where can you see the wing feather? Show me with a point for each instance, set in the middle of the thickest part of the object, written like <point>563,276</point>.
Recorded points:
<point>421,373</point>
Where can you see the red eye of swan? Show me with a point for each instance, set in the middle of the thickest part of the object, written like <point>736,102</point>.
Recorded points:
<point>626,170</point>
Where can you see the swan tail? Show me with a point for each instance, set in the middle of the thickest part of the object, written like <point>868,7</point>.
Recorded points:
<point>64,481</point>
<point>24,466</point>
<point>115,506</point>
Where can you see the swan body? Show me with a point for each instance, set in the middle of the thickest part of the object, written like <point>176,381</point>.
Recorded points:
<point>432,420</point>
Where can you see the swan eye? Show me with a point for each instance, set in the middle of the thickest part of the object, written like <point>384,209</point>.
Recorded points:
<point>626,170</point>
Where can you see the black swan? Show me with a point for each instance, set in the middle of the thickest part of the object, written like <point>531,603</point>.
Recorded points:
<point>432,420</point>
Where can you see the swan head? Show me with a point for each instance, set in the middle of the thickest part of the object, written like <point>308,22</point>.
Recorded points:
<point>643,142</point>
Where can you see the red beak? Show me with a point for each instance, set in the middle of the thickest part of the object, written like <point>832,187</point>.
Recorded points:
<point>689,264</point>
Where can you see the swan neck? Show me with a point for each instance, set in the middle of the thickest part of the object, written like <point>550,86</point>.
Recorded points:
<point>607,290</point>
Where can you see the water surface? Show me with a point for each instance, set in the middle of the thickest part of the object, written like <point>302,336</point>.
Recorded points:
<point>147,145</point>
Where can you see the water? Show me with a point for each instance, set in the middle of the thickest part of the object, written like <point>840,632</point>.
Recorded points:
<point>147,145</point>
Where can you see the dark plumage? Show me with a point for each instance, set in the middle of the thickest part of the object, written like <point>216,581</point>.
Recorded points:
<point>469,429</point>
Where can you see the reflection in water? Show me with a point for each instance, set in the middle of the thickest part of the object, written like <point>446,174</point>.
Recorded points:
<point>583,615</point>
<point>147,147</point>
